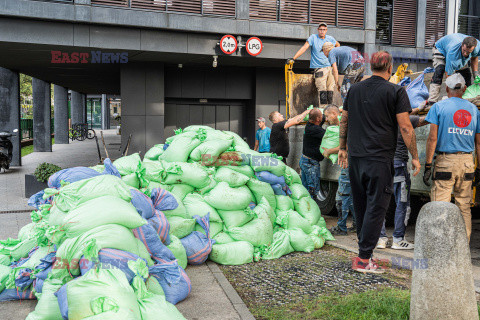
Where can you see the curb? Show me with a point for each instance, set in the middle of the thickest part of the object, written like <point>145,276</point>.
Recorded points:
<point>231,293</point>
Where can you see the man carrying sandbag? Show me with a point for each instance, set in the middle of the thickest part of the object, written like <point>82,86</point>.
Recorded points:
<point>452,54</point>
<point>372,113</point>
<point>454,135</point>
<point>346,61</point>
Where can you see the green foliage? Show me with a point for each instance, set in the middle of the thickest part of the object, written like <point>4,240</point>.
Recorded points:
<point>25,88</point>
<point>45,170</point>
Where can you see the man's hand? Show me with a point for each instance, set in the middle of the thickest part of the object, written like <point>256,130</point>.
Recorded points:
<point>427,174</point>
<point>343,159</point>
<point>476,179</point>
<point>290,61</point>
<point>327,153</point>
<point>416,166</point>
<point>338,87</point>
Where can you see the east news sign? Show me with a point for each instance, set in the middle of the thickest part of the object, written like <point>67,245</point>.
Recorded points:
<point>229,44</point>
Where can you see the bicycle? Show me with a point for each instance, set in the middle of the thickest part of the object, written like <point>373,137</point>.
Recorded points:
<point>80,132</point>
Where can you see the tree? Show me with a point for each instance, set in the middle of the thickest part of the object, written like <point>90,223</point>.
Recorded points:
<point>25,88</point>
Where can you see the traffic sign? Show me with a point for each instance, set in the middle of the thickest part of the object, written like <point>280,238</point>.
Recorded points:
<point>254,46</point>
<point>228,44</point>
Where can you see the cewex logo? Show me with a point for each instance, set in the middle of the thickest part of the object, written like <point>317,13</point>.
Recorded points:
<point>97,57</point>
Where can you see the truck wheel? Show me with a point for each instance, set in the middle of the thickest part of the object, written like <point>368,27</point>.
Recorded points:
<point>326,197</point>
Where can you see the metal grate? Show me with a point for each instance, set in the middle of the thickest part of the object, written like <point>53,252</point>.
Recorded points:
<point>294,11</point>
<point>323,11</point>
<point>404,28</point>
<point>351,13</point>
<point>469,25</point>
<point>264,9</point>
<point>149,4</point>
<point>115,3</point>
<point>219,7</point>
<point>384,21</point>
<point>435,21</point>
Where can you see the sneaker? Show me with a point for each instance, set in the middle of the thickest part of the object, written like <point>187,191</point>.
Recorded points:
<point>402,245</point>
<point>382,243</point>
<point>366,266</point>
<point>336,231</point>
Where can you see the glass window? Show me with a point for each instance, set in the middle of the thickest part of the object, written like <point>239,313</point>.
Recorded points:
<point>384,21</point>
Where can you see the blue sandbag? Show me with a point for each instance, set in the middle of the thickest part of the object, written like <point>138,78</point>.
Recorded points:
<point>142,203</point>
<point>163,200</point>
<point>417,90</point>
<point>405,82</point>
<point>24,277</point>
<point>160,223</point>
<point>14,294</point>
<point>270,178</point>
<point>38,285</point>
<point>149,237</point>
<point>110,168</point>
<point>173,279</point>
<point>278,190</point>
<point>61,295</point>
<point>37,200</point>
<point>197,244</point>
<point>165,146</point>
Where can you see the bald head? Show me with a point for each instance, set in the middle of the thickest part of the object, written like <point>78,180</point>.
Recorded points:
<point>331,114</point>
<point>315,116</point>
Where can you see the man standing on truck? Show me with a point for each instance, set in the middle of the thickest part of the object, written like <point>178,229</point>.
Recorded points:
<point>401,193</point>
<point>453,54</point>
<point>278,136</point>
<point>346,61</point>
<point>454,136</point>
<point>322,69</point>
<point>262,136</point>
<point>372,113</point>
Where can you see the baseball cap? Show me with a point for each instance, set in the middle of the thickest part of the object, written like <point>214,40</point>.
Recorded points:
<point>455,81</point>
<point>261,119</point>
<point>322,24</point>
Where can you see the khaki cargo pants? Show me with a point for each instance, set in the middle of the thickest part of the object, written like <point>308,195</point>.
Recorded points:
<point>455,171</point>
<point>324,80</point>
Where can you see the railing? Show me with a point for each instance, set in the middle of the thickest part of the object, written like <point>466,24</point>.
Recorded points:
<point>26,128</point>
<point>207,7</point>
<point>469,25</point>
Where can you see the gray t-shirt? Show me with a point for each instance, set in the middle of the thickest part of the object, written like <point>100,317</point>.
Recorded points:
<point>401,153</point>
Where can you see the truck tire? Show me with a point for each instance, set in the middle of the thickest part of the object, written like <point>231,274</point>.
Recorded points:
<point>326,197</point>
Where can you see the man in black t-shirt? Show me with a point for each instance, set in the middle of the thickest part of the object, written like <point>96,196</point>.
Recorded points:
<point>373,111</point>
<point>278,136</point>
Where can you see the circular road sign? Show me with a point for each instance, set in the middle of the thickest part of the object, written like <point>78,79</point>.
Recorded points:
<point>228,44</point>
<point>254,46</point>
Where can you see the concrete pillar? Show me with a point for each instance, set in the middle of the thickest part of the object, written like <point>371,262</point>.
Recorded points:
<point>60,114</point>
<point>78,107</point>
<point>42,136</point>
<point>442,280</point>
<point>453,7</point>
<point>370,31</point>
<point>10,110</point>
<point>105,113</point>
<point>243,9</point>
<point>421,22</point>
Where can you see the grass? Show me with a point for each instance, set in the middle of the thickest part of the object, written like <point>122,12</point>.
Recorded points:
<point>29,149</point>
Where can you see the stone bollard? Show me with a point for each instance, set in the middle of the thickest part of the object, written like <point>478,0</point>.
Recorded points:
<point>442,282</point>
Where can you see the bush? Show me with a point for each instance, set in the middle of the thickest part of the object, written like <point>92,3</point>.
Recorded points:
<point>45,170</point>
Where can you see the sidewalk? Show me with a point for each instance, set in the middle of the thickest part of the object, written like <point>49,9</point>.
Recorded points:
<point>212,296</point>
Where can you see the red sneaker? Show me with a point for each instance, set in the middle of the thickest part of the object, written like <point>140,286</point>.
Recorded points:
<point>366,266</point>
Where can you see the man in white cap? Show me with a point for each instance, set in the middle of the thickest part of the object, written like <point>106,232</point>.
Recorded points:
<point>454,135</point>
<point>262,136</point>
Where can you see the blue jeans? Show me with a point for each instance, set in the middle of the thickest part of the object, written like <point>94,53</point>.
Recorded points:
<point>344,200</point>
<point>401,192</point>
<point>310,175</point>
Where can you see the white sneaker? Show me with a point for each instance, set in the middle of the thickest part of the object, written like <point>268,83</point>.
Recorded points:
<point>402,245</point>
<point>382,243</point>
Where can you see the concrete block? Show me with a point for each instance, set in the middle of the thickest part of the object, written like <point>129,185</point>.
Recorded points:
<point>114,38</point>
<point>132,86</point>
<point>154,91</point>
<point>154,133</point>
<point>83,13</point>
<point>37,32</point>
<point>164,41</point>
<point>81,35</point>
<point>134,125</point>
<point>42,139</point>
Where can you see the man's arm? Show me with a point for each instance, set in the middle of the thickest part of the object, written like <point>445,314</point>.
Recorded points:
<point>342,152</point>
<point>432,143</point>
<point>328,152</point>
<point>422,122</point>
<point>296,120</point>
<point>408,135</point>
<point>301,51</point>
<point>474,63</point>
<point>337,44</point>
<point>256,146</point>
<point>335,74</point>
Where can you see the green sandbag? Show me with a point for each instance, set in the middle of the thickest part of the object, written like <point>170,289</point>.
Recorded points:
<point>233,178</point>
<point>291,219</point>
<point>300,241</point>
<point>181,190</point>
<point>5,272</point>
<point>76,193</point>
<point>101,290</point>
<point>154,287</point>
<point>258,232</point>
<point>210,149</point>
<point>234,253</point>
<point>236,218</point>
<point>308,208</point>
<point>322,232</point>
<point>195,128</point>
<point>280,246</point>
<point>246,170</point>
<point>5,260</point>
<point>262,189</point>
<point>128,164</point>
<point>291,176</point>
<point>19,250</point>
<point>181,227</point>
<point>154,171</point>
<point>268,162</point>
<point>180,211</point>
<point>321,222</point>
<point>222,197</point>
<point>154,307</point>
<point>474,90</point>
<point>298,191</point>
<point>227,159</point>
<point>318,241</point>
<point>178,251</point>
<point>215,228</point>
<point>264,206</point>
<point>284,203</point>
<point>209,187</point>
<point>196,205</point>
<point>179,150</point>
<point>35,258</point>
<point>192,174</point>
<point>154,152</point>
<point>237,140</point>
<point>223,238</point>
<point>99,168</point>
<point>131,180</point>
<point>25,232</point>
<point>100,211</point>
<point>47,307</point>
<point>331,139</point>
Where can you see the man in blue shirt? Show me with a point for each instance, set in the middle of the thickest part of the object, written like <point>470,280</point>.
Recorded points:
<point>319,63</point>
<point>454,135</point>
<point>346,61</point>
<point>453,54</point>
<point>262,137</point>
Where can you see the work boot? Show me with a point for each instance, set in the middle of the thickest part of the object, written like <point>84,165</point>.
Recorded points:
<point>336,231</point>
<point>434,92</point>
<point>323,96</point>
<point>330,97</point>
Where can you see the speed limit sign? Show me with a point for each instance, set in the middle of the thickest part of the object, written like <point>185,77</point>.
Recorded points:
<point>228,44</point>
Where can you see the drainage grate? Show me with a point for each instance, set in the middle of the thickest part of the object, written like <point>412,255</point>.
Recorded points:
<point>16,211</point>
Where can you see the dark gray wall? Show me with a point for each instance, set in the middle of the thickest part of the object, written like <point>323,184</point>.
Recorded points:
<point>42,135</point>
<point>269,92</point>
<point>10,110</point>
<point>60,113</point>
<point>78,108</point>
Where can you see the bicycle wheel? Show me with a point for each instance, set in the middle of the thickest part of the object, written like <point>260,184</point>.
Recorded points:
<point>82,135</point>
<point>91,134</point>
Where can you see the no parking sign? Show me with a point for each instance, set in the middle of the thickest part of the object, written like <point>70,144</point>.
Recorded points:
<point>254,46</point>
<point>228,44</point>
